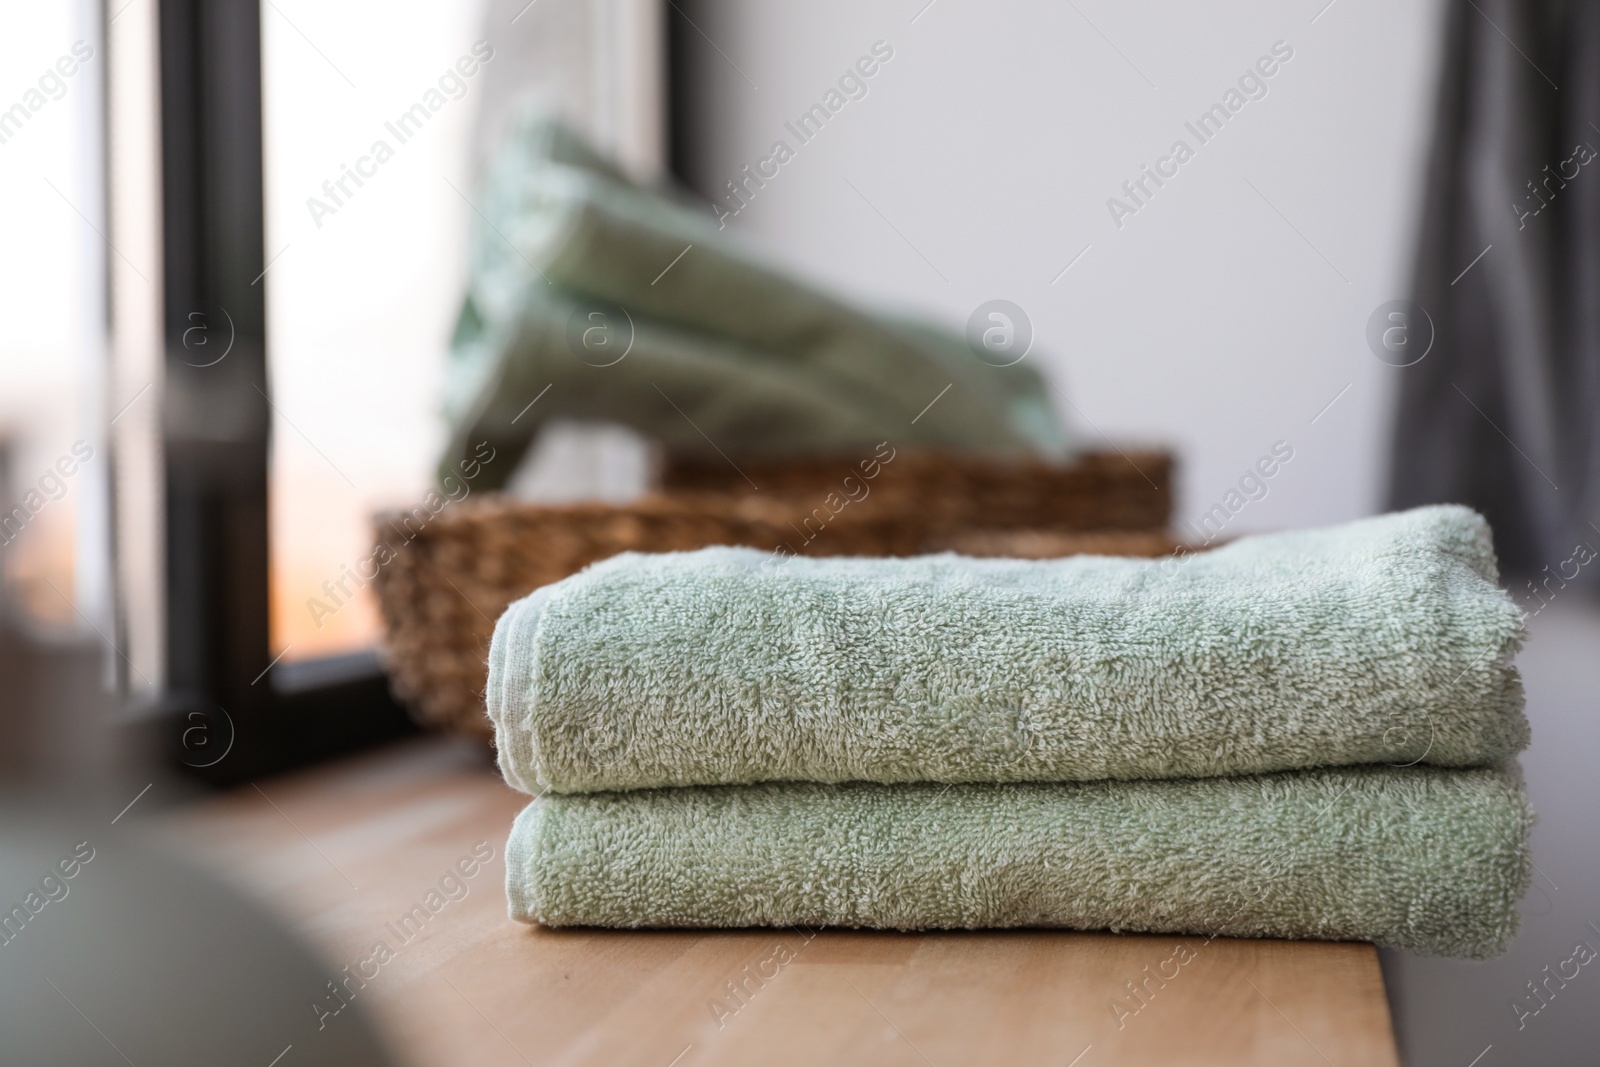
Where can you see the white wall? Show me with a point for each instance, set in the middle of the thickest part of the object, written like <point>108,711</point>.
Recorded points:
<point>991,142</point>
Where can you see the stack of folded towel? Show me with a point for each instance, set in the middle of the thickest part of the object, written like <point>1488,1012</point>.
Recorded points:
<point>633,307</point>
<point>1306,734</point>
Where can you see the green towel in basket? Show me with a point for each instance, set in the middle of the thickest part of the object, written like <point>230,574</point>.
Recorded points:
<point>1381,641</point>
<point>1417,858</point>
<point>678,381</point>
<point>572,265</point>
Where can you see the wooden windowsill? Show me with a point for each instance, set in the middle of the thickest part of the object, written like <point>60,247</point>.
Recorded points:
<point>346,851</point>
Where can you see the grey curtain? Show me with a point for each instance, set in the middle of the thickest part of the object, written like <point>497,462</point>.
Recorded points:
<point>1503,414</point>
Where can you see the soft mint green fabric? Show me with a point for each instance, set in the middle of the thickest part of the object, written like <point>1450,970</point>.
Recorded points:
<point>773,402</point>
<point>1381,641</point>
<point>1416,858</point>
<point>761,362</point>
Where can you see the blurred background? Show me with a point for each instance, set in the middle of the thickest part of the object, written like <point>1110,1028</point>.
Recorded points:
<point>218,363</point>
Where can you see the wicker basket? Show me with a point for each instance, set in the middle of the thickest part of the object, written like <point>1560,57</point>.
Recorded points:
<point>1098,491</point>
<point>444,587</point>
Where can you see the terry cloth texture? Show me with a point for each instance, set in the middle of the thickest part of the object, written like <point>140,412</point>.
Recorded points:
<point>1380,641</point>
<point>1416,858</point>
<point>692,323</point>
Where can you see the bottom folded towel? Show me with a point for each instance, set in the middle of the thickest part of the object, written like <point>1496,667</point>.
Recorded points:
<point>1429,860</point>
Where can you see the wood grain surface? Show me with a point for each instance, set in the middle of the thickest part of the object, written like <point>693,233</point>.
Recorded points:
<point>348,852</point>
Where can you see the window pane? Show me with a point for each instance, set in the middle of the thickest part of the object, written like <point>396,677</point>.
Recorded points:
<point>366,228</point>
<point>371,134</point>
<point>53,460</point>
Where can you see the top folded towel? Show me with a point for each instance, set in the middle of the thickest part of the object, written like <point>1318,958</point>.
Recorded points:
<point>1381,641</point>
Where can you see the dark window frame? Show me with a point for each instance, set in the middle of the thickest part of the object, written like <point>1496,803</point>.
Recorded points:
<point>216,430</point>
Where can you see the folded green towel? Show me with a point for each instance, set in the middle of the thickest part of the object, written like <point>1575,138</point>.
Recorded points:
<point>676,382</point>
<point>1417,858</point>
<point>558,225</point>
<point>1381,641</point>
